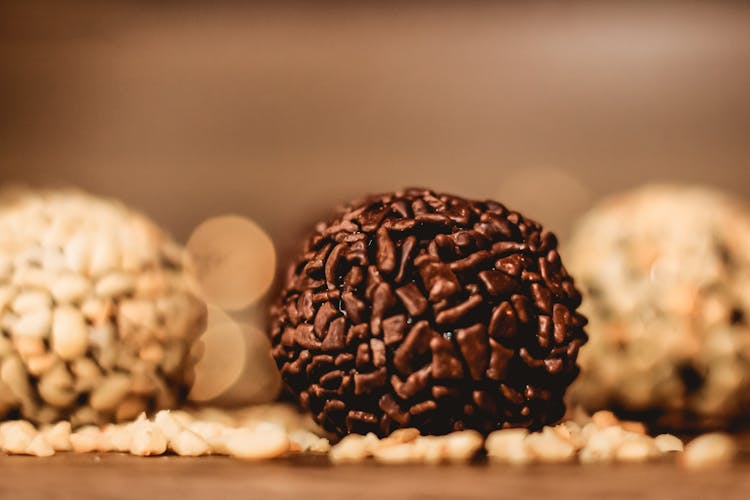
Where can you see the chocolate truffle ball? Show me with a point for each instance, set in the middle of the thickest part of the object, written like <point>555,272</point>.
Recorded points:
<point>426,310</point>
<point>667,275</point>
<point>97,322</point>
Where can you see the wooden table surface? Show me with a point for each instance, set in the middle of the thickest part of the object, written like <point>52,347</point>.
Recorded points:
<point>115,476</point>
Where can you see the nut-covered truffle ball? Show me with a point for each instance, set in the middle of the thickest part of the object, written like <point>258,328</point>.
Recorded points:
<point>418,309</point>
<point>96,320</point>
<point>667,275</point>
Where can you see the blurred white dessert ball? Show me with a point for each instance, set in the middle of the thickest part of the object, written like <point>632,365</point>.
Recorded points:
<point>98,321</point>
<point>665,272</point>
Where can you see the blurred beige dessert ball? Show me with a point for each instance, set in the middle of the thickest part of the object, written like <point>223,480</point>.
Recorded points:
<point>666,277</point>
<point>97,319</point>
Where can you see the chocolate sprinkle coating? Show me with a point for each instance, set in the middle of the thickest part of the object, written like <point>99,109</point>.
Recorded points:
<point>419,309</point>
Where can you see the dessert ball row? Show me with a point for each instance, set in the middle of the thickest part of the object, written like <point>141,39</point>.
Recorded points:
<point>413,309</point>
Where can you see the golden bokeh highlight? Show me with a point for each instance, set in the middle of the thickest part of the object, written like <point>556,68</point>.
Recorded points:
<point>260,381</point>
<point>233,259</point>
<point>224,356</point>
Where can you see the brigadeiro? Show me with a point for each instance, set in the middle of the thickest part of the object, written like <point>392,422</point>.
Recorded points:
<point>421,309</point>
<point>667,271</point>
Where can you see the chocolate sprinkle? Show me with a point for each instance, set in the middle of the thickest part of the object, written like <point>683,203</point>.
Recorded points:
<point>426,310</point>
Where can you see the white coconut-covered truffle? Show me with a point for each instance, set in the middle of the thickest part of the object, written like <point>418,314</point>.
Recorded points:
<point>666,275</point>
<point>97,320</point>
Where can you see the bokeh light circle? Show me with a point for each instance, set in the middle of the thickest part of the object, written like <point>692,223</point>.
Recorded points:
<point>233,259</point>
<point>224,356</point>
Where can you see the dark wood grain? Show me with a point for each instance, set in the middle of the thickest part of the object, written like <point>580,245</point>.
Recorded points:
<point>114,476</point>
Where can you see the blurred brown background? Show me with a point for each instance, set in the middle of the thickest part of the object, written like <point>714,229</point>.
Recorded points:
<point>278,111</point>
